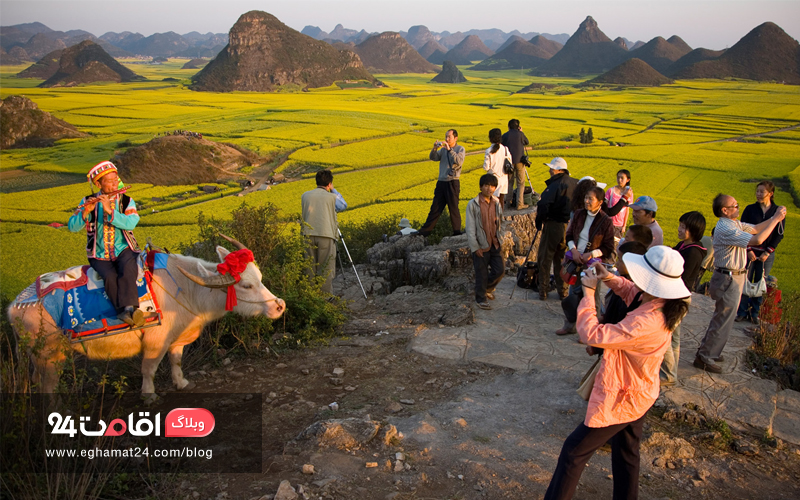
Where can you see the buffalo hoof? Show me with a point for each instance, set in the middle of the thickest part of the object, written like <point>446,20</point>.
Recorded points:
<point>188,386</point>
<point>150,399</point>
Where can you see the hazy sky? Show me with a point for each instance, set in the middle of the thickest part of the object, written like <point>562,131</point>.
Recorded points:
<point>714,24</point>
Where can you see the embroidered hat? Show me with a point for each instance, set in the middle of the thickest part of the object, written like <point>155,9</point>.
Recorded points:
<point>404,222</point>
<point>99,170</point>
<point>644,203</point>
<point>658,272</point>
<point>601,185</point>
<point>557,163</point>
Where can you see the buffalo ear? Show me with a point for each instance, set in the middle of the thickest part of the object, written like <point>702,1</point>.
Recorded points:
<point>222,252</point>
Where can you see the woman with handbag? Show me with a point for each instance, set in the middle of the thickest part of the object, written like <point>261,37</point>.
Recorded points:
<point>590,238</point>
<point>760,257</point>
<point>497,161</point>
<point>627,381</point>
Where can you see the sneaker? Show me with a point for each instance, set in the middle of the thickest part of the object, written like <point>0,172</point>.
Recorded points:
<point>484,305</point>
<point>490,295</point>
<point>709,367</point>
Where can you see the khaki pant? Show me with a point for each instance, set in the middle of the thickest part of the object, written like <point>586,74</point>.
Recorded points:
<point>323,252</point>
<point>726,291</point>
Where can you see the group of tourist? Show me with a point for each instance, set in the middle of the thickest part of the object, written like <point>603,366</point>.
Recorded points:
<point>621,290</point>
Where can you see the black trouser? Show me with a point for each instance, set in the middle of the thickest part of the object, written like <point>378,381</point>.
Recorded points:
<point>119,276</point>
<point>485,279</point>
<point>445,195</point>
<point>581,445</point>
<point>552,247</point>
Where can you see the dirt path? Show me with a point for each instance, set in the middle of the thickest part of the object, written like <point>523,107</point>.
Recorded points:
<point>739,137</point>
<point>469,430</point>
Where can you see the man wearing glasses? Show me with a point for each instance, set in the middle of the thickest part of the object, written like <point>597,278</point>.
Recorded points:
<point>731,237</point>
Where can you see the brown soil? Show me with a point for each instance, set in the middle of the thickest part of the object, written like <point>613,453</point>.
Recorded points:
<point>503,449</point>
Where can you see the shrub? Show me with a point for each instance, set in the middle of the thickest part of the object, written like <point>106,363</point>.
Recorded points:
<point>279,250</point>
<point>362,235</point>
<point>775,353</point>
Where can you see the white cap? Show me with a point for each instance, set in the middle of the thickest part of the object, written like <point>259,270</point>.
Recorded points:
<point>557,163</point>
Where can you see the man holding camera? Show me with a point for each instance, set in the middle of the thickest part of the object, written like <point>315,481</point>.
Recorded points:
<point>448,187</point>
<point>516,141</point>
<point>731,238</point>
<point>319,207</point>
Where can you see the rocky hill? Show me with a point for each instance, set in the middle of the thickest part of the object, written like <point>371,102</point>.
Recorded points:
<point>263,53</point>
<point>695,56</point>
<point>661,54</point>
<point>450,74</point>
<point>24,125</point>
<point>678,42</point>
<point>549,46</point>
<point>767,53</point>
<point>7,59</point>
<point>196,63</point>
<point>521,54</point>
<point>391,53</point>
<point>430,48</point>
<point>87,62</point>
<point>509,41</point>
<point>419,36</point>
<point>588,50</point>
<point>45,68</point>
<point>469,49</point>
<point>632,73</point>
<point>183,159</point>
<point>621,42</point>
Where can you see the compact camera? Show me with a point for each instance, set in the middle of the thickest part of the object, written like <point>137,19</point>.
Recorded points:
<point>439,144</point>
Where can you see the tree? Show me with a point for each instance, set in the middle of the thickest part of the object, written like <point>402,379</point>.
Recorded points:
<point>583,136</point>
<point>589,136</point>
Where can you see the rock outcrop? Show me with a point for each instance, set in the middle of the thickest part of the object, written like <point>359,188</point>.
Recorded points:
<point>391,53</point>
<point>264,54</point>
<point>23,124</point>
<point>87,62</point>
<point>450,74</point>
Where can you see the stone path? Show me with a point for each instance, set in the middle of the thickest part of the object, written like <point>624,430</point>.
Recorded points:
<point>519,333</point>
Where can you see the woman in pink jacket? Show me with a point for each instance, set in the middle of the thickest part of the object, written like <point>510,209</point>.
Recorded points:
<point>627,383</point>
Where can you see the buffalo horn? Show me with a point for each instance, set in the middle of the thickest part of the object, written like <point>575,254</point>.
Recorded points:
<point>236,243</point>
<point>216,281</point>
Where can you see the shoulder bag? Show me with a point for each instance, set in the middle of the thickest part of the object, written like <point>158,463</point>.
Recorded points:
<point>587,382</point>
<point>508,167</point>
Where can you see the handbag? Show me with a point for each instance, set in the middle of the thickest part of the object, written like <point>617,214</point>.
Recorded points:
<point>569,272</point>
<point>587,382</point>
<point>508,167</point>
<point>753,287</point>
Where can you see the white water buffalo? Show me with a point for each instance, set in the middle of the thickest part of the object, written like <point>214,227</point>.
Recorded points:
<point>201,300</point>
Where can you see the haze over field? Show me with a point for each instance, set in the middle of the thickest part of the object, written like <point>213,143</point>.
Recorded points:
<point>714,24</point>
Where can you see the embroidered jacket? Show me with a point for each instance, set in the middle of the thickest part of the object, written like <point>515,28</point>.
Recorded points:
<point>109,238</point>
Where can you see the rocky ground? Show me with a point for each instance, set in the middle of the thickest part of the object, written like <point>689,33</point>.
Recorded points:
<point>409,426</point>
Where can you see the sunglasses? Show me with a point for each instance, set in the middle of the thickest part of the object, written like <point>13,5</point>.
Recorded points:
<point>733,206</point>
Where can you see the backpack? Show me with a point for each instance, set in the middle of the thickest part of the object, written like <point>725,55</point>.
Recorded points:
<point>528,276</point>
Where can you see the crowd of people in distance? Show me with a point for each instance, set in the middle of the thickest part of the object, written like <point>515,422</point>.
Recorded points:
<point>185,133</point>
<point>622,290</point>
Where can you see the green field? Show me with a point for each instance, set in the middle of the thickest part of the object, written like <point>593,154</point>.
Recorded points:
<point>682,143</point>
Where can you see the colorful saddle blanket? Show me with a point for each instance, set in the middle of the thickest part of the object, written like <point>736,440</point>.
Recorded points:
<point>77,302</point>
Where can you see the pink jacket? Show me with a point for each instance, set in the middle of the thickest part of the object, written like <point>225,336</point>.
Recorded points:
<point>627,384</point>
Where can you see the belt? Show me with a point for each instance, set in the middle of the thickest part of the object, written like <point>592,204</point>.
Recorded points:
<point>730,272</point>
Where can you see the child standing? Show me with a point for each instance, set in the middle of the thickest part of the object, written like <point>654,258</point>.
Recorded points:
<point>613,195</point>
<point>484,217</point>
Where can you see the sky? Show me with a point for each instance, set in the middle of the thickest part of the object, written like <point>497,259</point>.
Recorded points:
<point>713,24</point>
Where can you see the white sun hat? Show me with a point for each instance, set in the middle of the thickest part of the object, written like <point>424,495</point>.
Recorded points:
<point>601,185</point>
<point>557,163</point>
<point>404,222</point>
<point>658,272</point>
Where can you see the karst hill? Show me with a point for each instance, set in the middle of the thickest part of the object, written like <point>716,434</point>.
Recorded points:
<point>587,51</point>
<point>85,63</point>
<point>660,53</point>
<point>264,54</point>
<point>450,74</point>
<point>631,73</point>
<point>767,53</point>
<point>24,125</point>
<point>391,53</point>
<point>520,54</point>
<point>44,68</point>
<point>183,158</point>
<point>469,49</point>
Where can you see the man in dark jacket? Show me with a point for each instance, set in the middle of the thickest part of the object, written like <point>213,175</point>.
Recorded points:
<point>552,216</point>
<point>516,141</point>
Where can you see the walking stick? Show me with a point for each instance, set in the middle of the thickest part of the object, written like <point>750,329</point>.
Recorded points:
<point>351,262</point>
<point>530,248</point>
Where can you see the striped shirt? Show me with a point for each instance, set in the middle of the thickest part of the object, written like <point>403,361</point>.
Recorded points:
<point>731,238</point>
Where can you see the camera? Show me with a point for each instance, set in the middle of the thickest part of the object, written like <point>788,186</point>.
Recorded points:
<point>439,144</point>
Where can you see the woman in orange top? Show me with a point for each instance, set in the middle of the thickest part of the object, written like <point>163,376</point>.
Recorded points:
<point>627,383</point>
